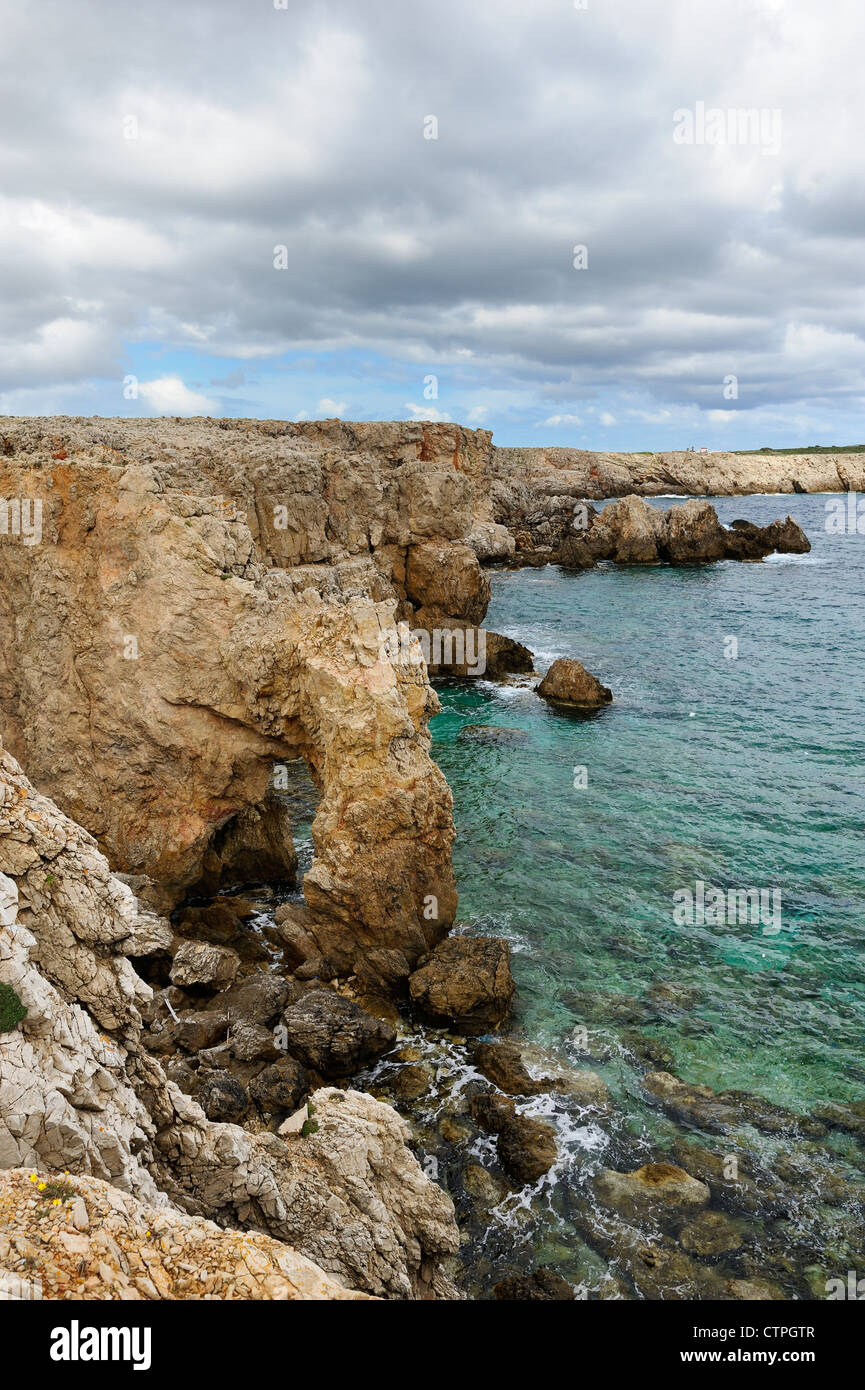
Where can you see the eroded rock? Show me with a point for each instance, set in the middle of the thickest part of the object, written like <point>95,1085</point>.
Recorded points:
<point>466,983</point>
<point>569,683</point>
<point>335,1036</point>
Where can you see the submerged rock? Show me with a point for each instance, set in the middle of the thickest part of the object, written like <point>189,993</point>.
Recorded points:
<point>654,1187</point>
<point>527,1148</point>
<point>466,983</point>
<point>492,733</point>
<point>484,1187</point>
<point>848,1116</point>
<point>710,1233</point>
<point>569,683</point>
<point>541,1284</point>
<point>718,1112</point>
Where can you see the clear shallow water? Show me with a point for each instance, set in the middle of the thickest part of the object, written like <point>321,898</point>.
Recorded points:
<point>742,773</point>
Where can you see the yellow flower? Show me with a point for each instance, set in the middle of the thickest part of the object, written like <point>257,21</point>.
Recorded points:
<point>41,1186</point>
<point>32,1177</point>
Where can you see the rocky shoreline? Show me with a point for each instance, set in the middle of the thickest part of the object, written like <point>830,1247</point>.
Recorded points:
<point>209,604</point>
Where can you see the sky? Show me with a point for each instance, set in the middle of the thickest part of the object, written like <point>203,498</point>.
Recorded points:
<point>618,224</point>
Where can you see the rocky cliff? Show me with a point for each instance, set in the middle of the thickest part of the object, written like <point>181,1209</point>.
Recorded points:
<point>206,598</point>
<point>78,1090</point>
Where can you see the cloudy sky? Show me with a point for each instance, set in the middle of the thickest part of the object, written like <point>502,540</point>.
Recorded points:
<point>534,216</point>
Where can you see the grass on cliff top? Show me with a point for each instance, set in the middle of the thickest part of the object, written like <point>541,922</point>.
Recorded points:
<point>808,449</point>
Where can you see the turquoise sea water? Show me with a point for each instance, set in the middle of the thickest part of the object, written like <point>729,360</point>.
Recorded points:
<point>744,772</point>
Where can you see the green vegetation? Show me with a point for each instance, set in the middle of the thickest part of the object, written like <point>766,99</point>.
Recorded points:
<point>11,1009</point>
<point>808,449</point>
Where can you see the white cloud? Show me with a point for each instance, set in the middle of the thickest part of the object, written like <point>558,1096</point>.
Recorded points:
<point>167,395</point>
<point>328,409</point>
<point>558,421</point>
<point>606,418</point>
<point>425,412</point>
<point>477,414</point>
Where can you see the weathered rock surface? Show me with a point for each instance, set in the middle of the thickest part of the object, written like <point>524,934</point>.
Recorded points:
<point>629,531</point>
<point>541,1285</point>
<point>281,1086</point>
<point>79,1092</point>
<point>335,1036</point>
<point>723,1110</point>
<point>96,1242</point>
<point>177,640</point>
<point>654,1187</point>
<point>569,683</point>
<point>199,965</point>
<point>465,983</point>
<point>526,1147</point>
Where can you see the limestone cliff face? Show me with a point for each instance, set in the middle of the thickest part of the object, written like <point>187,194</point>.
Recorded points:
<point>519,475</point>
<point>159,657</point>
<point>78,1091</point>
<point>206,598</point>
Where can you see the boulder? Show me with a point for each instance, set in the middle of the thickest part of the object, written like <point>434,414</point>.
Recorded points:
<point>710,1233</point>
<point>541,1285</point>
<point>502,1063</point>
<point>222,1097</point>
<point>201,966</point>
<point>491,1112</point>
<point>466,983</point>
<point>260,998</point>
<point>281,1086</point>
<point>193,1031</point>
<point>527,1148</point>
<point>335,1036</point>
<point>569,683</point>
<point>647,1190</point>
<point>489,541</point>
<point>252,1042</point>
